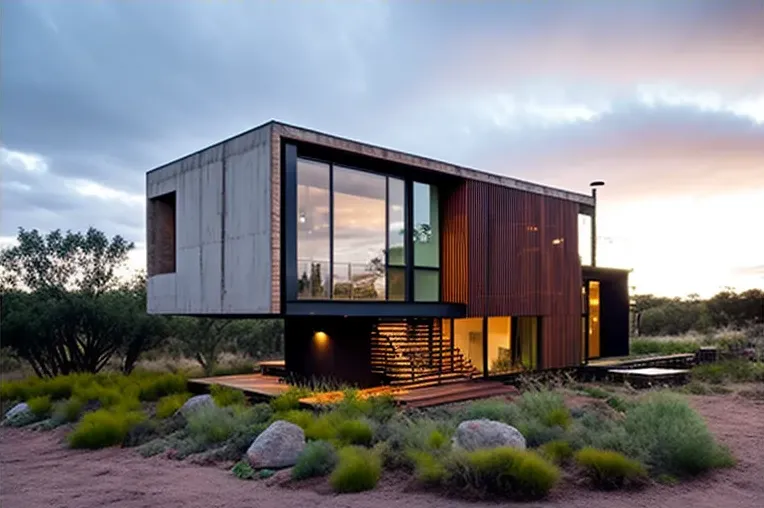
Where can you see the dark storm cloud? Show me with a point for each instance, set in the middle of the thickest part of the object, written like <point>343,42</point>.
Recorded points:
<point>104,91</point>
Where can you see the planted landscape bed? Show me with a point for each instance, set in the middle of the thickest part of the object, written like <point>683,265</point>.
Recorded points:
<point>490,449</point>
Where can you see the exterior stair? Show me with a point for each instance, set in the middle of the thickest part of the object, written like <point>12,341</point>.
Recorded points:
<point>413,353</point>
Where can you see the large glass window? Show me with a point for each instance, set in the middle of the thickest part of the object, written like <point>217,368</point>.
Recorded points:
<point>468,339</point>
<point>359,235</point>
<point>426,240</point>
<point>594,319</point>
<point>312,229</point>
<point>396,238</point>
<point>585,239</point>
<point>500,345</point>
<point>527,341</point>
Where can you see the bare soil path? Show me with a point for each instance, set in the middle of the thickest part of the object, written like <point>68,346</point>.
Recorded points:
<point>36,470</point>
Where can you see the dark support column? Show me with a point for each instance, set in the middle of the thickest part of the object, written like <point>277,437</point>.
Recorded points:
<point>409,240</point>
<point>485,347</point>
<point>290,222</point>
<point>594,227</point>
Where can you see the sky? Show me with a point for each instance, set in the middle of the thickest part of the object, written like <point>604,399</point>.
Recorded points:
<point>664,101</point>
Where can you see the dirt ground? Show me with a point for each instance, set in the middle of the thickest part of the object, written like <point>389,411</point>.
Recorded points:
<point>36,470</point>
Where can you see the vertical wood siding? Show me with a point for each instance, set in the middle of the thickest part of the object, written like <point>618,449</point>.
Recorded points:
<point>519,253</point>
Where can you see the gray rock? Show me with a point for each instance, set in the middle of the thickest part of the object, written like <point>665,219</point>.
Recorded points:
<point>194,403</point>
<point>17,410</point>
<point>277,446</point>
<point>483,433</point>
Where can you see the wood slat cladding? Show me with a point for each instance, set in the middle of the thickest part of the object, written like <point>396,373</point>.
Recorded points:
<point>519,252</point>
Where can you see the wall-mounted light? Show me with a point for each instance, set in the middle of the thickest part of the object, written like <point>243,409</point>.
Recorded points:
<point>558,241</point>
<point>320,338</point>
<point>302,218</point>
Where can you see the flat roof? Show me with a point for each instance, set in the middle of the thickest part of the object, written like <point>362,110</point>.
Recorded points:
<point>374,151</point>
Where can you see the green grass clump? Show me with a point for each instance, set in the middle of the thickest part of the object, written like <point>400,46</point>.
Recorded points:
<point>213,424</point>
<point>225,396</point>
<point>243,471</point>
<point>169,404</point>
<point>644,346</point>
<point>502,472</point>
<point>609,470</point>
<point>618,403</point>
<point>437,440</point>
<point>152,387</point>
<point>493,409</point>
<point>672,438</point>
<point>299,417</point>
<point>429,470</point>
<point>595,392</point>
<point>547,406</point>
<point>103,428</point>
<point>355,432</point>
<point>558,451</point>
<point>317,459</point>
<point>289,399</point>
<point>68,410</point>
<point>40,406</point>
<point>358,470</point>
<point>323,428</point>
<point>729,371</point>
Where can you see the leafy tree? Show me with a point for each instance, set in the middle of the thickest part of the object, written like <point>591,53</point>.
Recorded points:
<point>202,339</point>
<point>64,308</point>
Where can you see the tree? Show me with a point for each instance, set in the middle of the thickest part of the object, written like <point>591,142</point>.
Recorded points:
<point>64,308</point>
<point>202,339</point>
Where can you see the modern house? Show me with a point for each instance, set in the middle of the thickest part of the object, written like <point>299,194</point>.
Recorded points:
<point>386,267</point>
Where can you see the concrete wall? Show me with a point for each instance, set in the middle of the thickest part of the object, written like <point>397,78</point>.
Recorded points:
<point>223,229</point>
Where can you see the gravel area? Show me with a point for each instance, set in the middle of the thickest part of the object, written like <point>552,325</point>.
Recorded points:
<point>37,470</point>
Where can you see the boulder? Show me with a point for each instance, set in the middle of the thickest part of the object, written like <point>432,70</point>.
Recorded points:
<point>17,410</point>
<point>483,433</point>
<point>277,446</point>
<point>194,403</point>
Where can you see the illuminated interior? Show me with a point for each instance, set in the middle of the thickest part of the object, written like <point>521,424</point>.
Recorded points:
<point>594,319</point>
<point>468,338</point>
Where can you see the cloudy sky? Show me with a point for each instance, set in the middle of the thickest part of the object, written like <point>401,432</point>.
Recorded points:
<point>663,100</point>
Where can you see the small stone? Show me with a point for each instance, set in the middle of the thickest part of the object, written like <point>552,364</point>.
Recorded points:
<point>475,434</point>
<point>195,403</point>
<point>277,446</point>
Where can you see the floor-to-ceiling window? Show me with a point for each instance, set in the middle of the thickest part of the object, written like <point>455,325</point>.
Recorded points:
<point>313,240</point>
<point>594,319</point>
<point>426,240</point>
<point>527,340</point>
<point>365,236</point>
<point>499,342</point>
<point>396,238</point>
<point>359,235</point>
<point>468,339</point>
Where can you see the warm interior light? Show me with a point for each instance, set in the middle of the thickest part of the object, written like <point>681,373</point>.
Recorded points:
<point>320,338</point>
<point>302,218</point>
<point>557,241</point>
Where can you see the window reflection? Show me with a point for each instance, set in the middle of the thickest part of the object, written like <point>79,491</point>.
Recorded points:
<point>426,231</point>
<point>312,229</point>
<point>359,235</point>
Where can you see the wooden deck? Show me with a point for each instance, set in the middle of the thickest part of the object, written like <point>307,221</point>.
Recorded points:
<point>643,371</point>
<point>261,386</point>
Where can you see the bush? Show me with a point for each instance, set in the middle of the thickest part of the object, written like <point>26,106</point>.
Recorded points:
<point>103,428</point>
<point>289,399</point>
<point>672,437</point>
<point>68,410</point>
<point>317,459</point>
<point>662,346</point>
<point>610,470</point>
<point>403,434</point>
<point>170,404</point>
<point>502,472</point>
<point>358,469</point>
<point>153,386</point>
<point>225,396</point>
<point>493,409</point>
<point>323,428</point>
<point>436,440</point>
<point>618,403</point>
<point>595,392</point>
<point>213,424</point>
<point>354,432</point>
<point>243,471</point>
<point>558,451</point>
<point>547,406</point>
<point>299,417</point>
<point>729,371</point>
<point>428,469</point>
<point>40,406</point>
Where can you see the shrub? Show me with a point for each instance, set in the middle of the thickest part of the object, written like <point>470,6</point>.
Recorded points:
<point>662,346</point>
<point>545,405</point>
<point>402,434</point>
<point>169,404</point>
<point>355,432</point>
<point>618,403</point>
<point>428,469</point>
<point>213,424</point>
<point>595,392</point>
<point>68,410</point>
<point>353,406</point>
<point>243,471</point>
<point>607,469</point>
<point>599,431</point>
<point>358,469</point>
<point>323,428</point>
<point>503,472</point>
<point>436,440</point>
<point>493,409</point>
<point>153,387</point>
<point>559,417</point>
<point>40,406</point>
<point>729,371</point>
<point>558,451</point>
<point>103,428</point>
<point>225,396</point>
<point>382,408</point>
<point>299,417</point>
<point>289,399</point>
<point>317,459</point>
<point>673,437</point>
